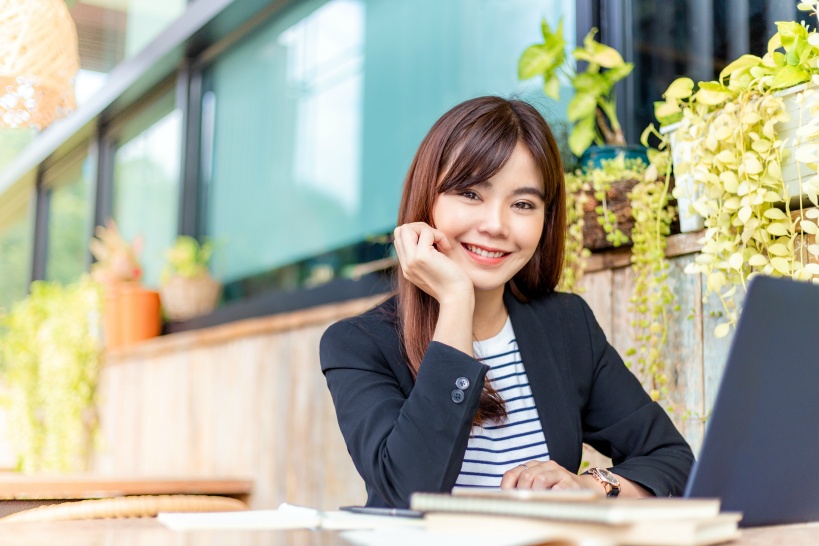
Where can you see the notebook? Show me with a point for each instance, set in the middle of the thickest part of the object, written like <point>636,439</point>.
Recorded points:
<point>761,445</point>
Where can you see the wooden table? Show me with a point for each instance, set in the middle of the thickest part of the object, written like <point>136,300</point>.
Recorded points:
<point>149,532</point>
<point>20,492</point>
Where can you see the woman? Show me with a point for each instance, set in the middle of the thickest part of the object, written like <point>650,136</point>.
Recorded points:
<point>477,373</point>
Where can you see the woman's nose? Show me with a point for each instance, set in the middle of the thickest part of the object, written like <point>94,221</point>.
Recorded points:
<point>494,222</point>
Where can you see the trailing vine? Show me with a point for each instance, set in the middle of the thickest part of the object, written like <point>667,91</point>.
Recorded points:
<point>736,158</point>
<point>652,299</point>
<point>51,355</point>
<point>574,262</point>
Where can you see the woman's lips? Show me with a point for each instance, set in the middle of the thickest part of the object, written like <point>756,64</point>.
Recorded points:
<point>484,256</point>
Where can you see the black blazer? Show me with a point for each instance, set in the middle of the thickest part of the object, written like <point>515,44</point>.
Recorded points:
<point>406,436</point>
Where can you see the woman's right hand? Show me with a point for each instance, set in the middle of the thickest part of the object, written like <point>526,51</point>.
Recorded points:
<point>426,266</point>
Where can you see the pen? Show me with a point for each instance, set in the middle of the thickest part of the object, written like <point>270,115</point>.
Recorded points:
<point>374,511</point>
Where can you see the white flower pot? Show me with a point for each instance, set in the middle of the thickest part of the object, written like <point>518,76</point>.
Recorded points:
<point>792,170</point>
<point>685,189</point>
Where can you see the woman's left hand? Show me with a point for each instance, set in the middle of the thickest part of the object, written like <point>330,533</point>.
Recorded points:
<point>547,475</point>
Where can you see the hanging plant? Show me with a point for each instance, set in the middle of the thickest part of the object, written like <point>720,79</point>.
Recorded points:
<point>50,356</point>
<point>575,254</point>
<point>732,127</point>
<point>652,300</point>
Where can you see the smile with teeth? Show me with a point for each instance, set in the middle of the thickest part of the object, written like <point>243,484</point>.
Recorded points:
<point>485,253</point>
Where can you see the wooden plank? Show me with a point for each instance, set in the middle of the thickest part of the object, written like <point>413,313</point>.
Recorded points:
<point>174,343</point>
<point>714,350</point>
<point>622,331</point>
<point>676,245</point>
<point>79,486</point>
<point>684,354</point>
<point>598,294</point>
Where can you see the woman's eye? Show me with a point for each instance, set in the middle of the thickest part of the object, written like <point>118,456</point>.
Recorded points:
<point>469,194</point>
<point>524,205</point>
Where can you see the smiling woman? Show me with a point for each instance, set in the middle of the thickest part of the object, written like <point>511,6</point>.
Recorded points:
<point>477,373</point>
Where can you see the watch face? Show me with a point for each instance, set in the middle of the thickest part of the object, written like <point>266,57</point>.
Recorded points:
<point>608,476</point>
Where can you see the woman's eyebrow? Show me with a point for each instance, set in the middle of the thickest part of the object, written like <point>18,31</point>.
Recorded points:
<point>530,190</point>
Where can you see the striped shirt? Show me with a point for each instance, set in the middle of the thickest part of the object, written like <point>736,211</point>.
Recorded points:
<point>495,448</point>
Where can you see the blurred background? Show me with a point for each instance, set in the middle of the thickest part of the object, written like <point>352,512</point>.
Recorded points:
<point>279,131</point>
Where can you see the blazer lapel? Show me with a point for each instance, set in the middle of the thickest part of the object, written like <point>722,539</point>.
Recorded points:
<point>541,348</point>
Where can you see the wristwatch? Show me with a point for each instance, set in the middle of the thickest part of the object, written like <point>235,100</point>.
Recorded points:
<point>609,480</point>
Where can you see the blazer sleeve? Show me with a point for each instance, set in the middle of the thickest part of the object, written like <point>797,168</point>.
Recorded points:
<point>622,422</point>
<point>400,444</point>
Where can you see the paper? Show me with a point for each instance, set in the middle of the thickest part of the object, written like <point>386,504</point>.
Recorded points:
<point>503,537</point>
<point>287,516</point>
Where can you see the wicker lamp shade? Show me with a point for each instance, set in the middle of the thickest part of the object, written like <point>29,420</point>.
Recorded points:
<point>39,58</point>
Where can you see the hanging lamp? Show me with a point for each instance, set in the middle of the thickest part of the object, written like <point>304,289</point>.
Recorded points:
<point>39,59</point>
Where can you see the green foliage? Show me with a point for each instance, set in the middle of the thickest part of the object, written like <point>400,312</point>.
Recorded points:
<point>593,87</point>
<point>50,356</point>
<point>601,180</point>
<point>732,129</point>
<point>651,300</point>
<point>187,258</point>
<point>575,254</point>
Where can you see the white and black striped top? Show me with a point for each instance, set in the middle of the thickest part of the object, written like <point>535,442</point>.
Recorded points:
<point>493,449</point>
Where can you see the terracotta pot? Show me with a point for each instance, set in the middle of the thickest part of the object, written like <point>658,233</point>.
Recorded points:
<point>139,314</point>
<point>112,318</point>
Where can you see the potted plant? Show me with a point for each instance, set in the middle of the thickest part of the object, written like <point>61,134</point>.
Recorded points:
<point>50,351</point>
<point>739,134</point>
<point>130,311</point>
<point>593,109</point>
<point>187,288</point>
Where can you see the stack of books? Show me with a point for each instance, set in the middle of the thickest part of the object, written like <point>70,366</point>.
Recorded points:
<point>577,516</point>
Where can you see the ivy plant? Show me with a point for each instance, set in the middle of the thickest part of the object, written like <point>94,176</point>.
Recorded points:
<point>51,356</point>
<point>732,126</point>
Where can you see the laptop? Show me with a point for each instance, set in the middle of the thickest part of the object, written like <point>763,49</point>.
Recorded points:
<point>760,454</point>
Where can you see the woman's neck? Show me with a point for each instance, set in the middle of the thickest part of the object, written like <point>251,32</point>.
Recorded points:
<point>490,314</point>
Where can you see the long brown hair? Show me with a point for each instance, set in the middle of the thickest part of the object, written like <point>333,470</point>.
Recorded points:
<point>467,145</point>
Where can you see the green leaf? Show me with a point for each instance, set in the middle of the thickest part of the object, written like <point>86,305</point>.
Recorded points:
<point>551,88</point>
<point>757,260</point>
<point>534,61</point>
<point>809,227</point>
<point>777,230</point>
<point>775,214</point>
<point>781,265</point>
<point>788,76</point>
<point>666,110</point>
<point>581,106</point>
<point>744,63</point>
<point>722,330</point>
<point>595,52</point>
<point>582,136</point>
<point>617,73</point>
<point>681,88</point>
<point>778,249</point>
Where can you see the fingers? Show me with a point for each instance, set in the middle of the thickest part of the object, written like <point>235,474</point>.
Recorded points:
<point>540,475</point>
<point>512,476</point>
<point>430,235</point>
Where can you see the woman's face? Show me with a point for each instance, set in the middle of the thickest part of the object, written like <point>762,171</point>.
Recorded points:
<point>495,226</point>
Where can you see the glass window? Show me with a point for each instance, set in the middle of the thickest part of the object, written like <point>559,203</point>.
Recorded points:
<point>146,182</point>
<point>70,217</point>
<point>310,123</point>
<point>674,38</point>
<point>111,31</point>
<point>16,242</point>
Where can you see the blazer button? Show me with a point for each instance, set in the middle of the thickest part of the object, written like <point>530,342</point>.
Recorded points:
<point>457,396</point>
<point>462,383</point>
